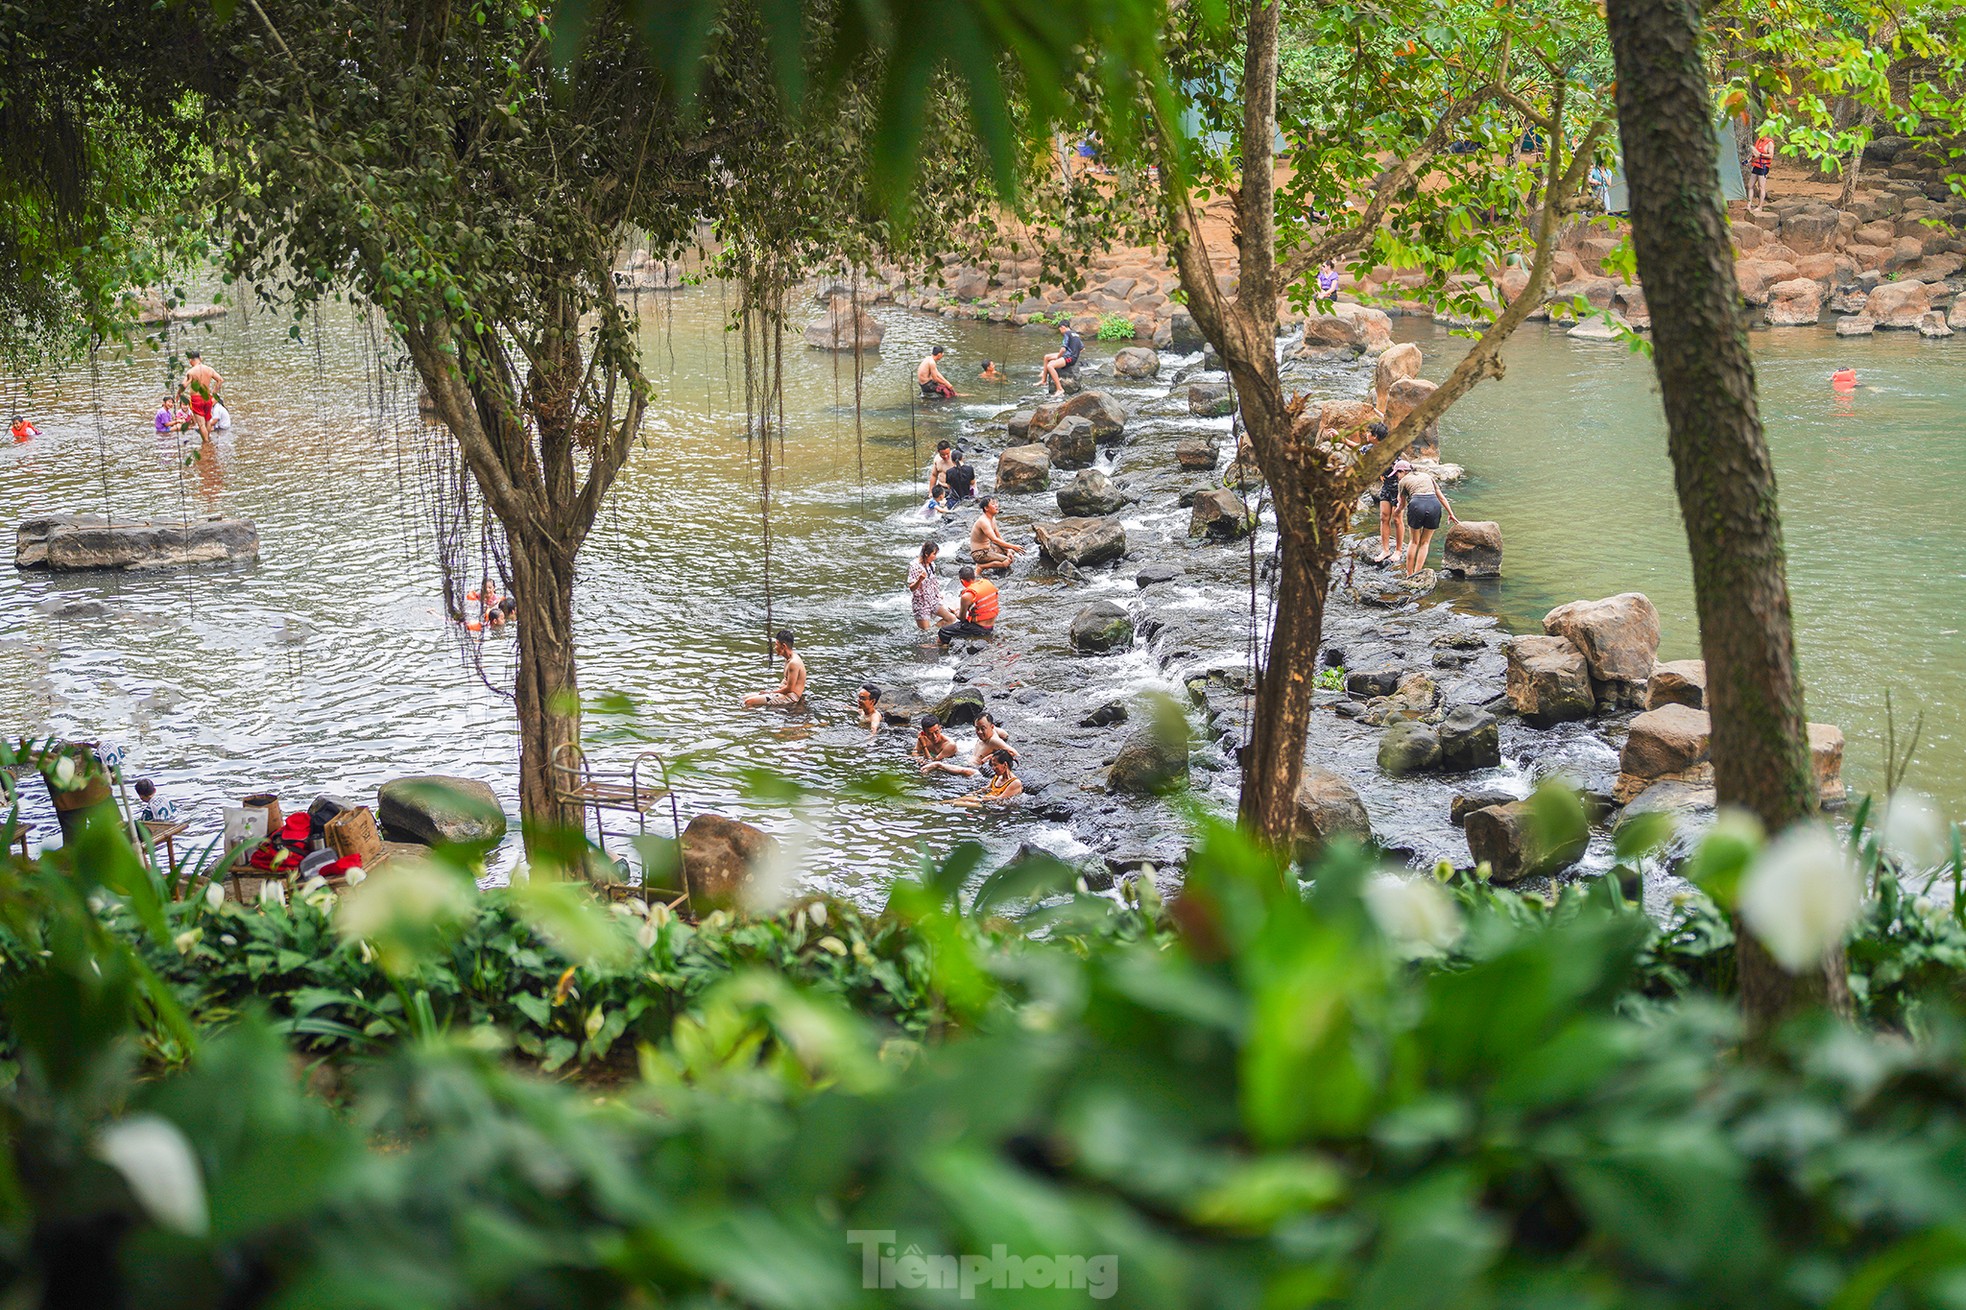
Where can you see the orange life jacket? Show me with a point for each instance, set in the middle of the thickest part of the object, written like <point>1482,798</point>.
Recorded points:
<point>1764,153</point>
<point>983,601</point>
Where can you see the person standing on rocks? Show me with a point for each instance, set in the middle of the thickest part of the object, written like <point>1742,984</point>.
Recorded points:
<point>1423,501</point>
<point>929,374</point>
<point>1392,531</point>
<point>1760,159</point>
<point>987,545</point>
<point>791,690</point>
<point>925,593</point>
<point>1065,357</point>
<point>976,615</point>
<point>202,384</point>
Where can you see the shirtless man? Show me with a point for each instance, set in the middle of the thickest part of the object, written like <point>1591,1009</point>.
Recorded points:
<point>790,691</point>
<point>929,374</point>
<point>939,465</point>
<point>936,751</point>
<point>990,738</point>
<point>990,372</point>
<point>202,384</point>
<point>1422,500</point>
<point>867,708</point>
<point>986,543</point>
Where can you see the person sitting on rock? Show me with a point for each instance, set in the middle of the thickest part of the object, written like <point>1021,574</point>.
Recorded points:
<point>990,738</point>
<point>1423,500</point>
<point>1004,785</point>
<point>987,545</point>
<point>792,689</point>
<point>867,708</point>
<point>936,751</point>
<point>991,373</point>
<point>960,478</point>
<point>929,374</point>
<point>1062,360</point>
<point>976,616</point>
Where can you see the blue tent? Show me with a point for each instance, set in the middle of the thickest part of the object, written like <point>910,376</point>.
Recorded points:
<point>1733,186</point>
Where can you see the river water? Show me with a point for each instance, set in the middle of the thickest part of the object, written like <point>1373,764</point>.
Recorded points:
<point>328,666</point>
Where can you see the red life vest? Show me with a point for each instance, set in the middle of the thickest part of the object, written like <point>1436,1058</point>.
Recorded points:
<point>1764,153</point>
<point>983,601</point>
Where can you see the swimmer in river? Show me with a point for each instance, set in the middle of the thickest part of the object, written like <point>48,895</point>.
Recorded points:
<point>792,689</point>
<point>929,374</point>
<point>990,738</point>
<point>867,709</point>
<point>503,612</point>
<point>1844,379</point>
<point>990,372</point>
<point>1004,785</point>
<point>23,431</point>
<point>936,751</point>
<point>987,545</point>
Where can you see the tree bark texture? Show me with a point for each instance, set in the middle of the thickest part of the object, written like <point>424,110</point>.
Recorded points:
<point>547,693</point>
<point>1721,465</point>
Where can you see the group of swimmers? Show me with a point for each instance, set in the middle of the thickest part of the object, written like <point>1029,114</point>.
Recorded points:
<point>935,386</point>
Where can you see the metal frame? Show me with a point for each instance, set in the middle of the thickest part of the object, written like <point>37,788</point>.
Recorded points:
<point>576,783</point>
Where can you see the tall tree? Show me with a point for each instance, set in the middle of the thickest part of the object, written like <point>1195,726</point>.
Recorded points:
<point>1721,465</point>
<point>1372,181</point>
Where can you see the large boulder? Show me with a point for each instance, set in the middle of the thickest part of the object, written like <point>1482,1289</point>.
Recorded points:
<point>1514,846</point>
<point>1372,328</point>
<point>1619,637</point>
<point>1070,444</point>
<point>1470,739</point>
<point>1100,627</point>
<point>1210,400</point>
<point>1019,426</point>
<point>1549,681</point>
<point>845,326</point>
<point>1196,453</point>
<point>1136,362</point>
<point>1349,417</point>
<point>720,856</point>
<point>1328,808</point>
<point>1219,515</point>
<point>80,542</point>
<point>1407,395</point>
<point>1473,549</point>
<point>1811,230</point>
<point>1669,742</point>
<point>1409,746</point>
<point>437,809</point>
<point>1081,541</point>
<point>1396,365</point>
<point>1180,333</point>
<point>1107,415</point>
<point>1797,302</point>
<point>960,707</point>
<point>1899,304</point>
<point>1024,468</point>
<point>1090,495</point>
<point>1678,682</point>
<point>1153,760</point>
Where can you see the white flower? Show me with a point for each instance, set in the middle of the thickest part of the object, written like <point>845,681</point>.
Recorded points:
<point>596,1019</point>
<point>356,877</point>
<point>816,912</point>
<point>163,1175</point>
<point>214,894</point>
<point>1416,914</point>
<point>659,913</point>
<point>273,892</point>
<point>184,941</point>
<point>65,773</point>
<point>833,944</point>
<point>647,933</point>
<point>1914,831</point>
<point>1801,895</point>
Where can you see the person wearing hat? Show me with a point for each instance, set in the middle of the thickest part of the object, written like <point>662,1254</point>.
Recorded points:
<point>929,374</point>
<point>1392,532</point>
<point>1421,502</point>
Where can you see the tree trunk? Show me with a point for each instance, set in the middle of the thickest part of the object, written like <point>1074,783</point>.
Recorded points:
<point>1721,466</point>
<point>1273,766</point>
<point>547,693</point>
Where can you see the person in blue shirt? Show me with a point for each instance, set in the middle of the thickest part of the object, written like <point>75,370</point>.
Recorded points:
<point>1066,356</point>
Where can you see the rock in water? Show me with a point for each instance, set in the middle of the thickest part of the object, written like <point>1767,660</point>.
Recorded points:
<point>1107,415</point>
<point>1210,400</point>
<point>1797,302</point>
<point>1196,453</point>
<point>1082,542</point>
<point>74,542</point>
<point>438,810</point>
<point>1678,682</point>
<point>1514,846</point>
<point>1933,324</point>
<point>1669,742</point>
<point>1619,637</point>
<point>719,857</point>
<point>1826,753</point>
<point>1219,515</point>
<point>1465,803</point>
<point>1396,365</point>
<point>1857,325</point>
<point>1153,760</point>
<point>960,707</point>
<point>1136,362</point>
<point>1899,304</point>
<point>1473,549</point>
<point>845,326</point>
<point>1023,468</point>
<point>1070,443</point>
<point>1328,808</point>
<point>1113,711</point>
<point>1409,747</point>
<point>1549,681</point>
<point>1100,627</point>
<point>1470,739</point>
<point>1407,395</point>
<point>1090,495</point>
<point>1019,425</point>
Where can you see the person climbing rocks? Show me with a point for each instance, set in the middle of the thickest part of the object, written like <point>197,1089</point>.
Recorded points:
<point>791,690</point>
<point>959,478</point>
<point>1392,530</point>
<point>1004,786</point>
<point>987,545</point>
<point>936,751</point>
<point>1062,359</point>
<point>925,593</point>
<point>929,374</point>
<point>1761,158</point>
<point>1423,501</point>
<point>202,384</point>
<point>976,615</point>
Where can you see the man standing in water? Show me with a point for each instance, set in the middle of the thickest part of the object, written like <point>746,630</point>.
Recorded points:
<point>202,385</point>
<point>986,542</point>
<point>792,689</point>
<point>929,374</point>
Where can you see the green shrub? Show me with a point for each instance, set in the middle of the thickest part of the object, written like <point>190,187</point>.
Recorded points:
<point>1116,327</point>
